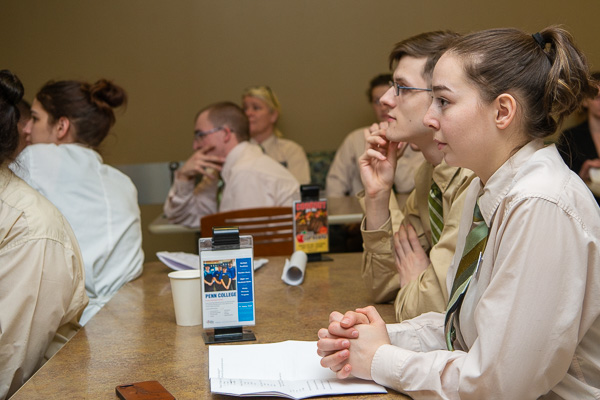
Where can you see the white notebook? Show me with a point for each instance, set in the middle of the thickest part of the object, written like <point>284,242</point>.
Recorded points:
<point>288,369</point>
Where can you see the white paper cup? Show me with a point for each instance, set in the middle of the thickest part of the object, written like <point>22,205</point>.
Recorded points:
<point>595,175</point>
<point>185,286</point>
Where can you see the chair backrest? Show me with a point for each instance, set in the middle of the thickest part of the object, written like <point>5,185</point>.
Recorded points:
<point>270,227</point>
<point>152,180</point>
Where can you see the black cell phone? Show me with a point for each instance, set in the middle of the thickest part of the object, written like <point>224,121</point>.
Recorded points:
<point>147,390</point>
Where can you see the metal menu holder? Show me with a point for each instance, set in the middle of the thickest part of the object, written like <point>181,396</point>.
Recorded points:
<point>226,260</point>
<point>311,227</point>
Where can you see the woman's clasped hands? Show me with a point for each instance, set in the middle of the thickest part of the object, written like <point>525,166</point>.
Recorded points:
<point>349,343</point>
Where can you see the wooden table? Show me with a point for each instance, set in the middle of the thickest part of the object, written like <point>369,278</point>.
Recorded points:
<point>135,338</point>
<point>160,225</point>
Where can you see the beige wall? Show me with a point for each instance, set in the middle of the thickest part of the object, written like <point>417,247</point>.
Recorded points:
<point>174,57</point>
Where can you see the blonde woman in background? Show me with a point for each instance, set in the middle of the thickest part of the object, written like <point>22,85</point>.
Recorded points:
<point>263,109</point>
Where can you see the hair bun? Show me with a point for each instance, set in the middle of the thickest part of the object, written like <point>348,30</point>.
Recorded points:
<point>107,92</point>
<point>11,87</point>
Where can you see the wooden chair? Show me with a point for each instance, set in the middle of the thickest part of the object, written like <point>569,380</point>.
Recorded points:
<point>270,227</point>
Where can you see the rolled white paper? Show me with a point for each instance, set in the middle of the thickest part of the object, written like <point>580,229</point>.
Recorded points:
<point>293,270</point>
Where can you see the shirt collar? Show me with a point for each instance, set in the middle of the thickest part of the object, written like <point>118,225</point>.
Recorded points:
<point>443,175</point>
<point>231,158</point>
<point>5,173</point>
<point>268,142</point>
<point>501,182</point>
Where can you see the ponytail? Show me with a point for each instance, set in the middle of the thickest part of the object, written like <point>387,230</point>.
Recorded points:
<point>568,82</point>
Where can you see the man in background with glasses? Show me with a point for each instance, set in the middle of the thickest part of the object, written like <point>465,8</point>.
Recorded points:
<point>343,178</point>
<point>232,173</point>
<point>407,253</point>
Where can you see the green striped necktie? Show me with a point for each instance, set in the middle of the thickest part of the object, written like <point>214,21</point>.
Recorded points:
<point>436,213</point>
<point>220,188</point>
<point>471,258</point>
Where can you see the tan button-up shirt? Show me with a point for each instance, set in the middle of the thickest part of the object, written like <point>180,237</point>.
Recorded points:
<point>42,291</point>
<point>289,154</point>
<point>529,326</point>
<point>428,292</point>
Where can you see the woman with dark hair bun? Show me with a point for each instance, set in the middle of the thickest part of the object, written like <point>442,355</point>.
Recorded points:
<point>41,269</point>
<point>69,120</point>
<point>86,111</point>
<point>523,319</point>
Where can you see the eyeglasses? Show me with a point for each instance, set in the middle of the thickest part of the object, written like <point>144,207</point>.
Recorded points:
<point>200,134</point>
<point>397,88</point>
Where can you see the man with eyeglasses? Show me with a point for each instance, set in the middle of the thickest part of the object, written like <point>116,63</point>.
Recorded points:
<point>248,177</point>
<point>343,178</point>
<point>407,254</point>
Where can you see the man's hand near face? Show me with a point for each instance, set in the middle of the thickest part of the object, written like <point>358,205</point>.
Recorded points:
<point>200,163</point>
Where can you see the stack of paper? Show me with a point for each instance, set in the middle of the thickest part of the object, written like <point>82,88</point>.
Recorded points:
<point>179,260</point>
<point>288,369</point>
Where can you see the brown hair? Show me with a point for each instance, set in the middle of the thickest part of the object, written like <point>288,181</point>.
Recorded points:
<point>430,45</point>
<point>11,92</point>
<point>24,109</point>
<point>595,81</point>
<point>379,80</point>
<point>596,77</point>
<point>89,107</point>
<point>548,76</point>
<point>228,114</point>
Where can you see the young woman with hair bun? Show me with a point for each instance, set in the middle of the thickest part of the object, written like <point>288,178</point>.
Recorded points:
<point>42,293</point>
<point>70,119</point>
<point>523,320</point>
